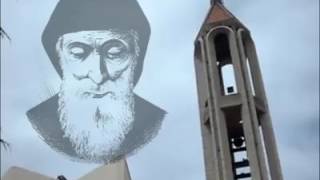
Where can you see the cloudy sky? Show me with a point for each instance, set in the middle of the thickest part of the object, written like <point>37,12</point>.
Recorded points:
<point>286,33</point>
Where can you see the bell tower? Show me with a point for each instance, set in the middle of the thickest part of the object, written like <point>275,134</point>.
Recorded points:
<point>237,133</point>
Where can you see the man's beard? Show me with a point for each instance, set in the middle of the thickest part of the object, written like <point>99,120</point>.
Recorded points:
<point>96,126</point>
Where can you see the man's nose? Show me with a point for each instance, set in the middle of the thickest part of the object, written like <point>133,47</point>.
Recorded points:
<point>98,71</point>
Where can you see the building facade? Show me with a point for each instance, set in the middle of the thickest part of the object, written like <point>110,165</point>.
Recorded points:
<point>115,171</point>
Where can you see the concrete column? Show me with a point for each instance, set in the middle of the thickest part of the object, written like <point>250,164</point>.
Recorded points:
<point>266,124</point>
<point>208,136</point>
<point>251,106</point>
<point>249,127</point>
<point>223,148</point>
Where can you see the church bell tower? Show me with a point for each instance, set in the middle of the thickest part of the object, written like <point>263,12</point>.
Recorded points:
<point>237,133</point>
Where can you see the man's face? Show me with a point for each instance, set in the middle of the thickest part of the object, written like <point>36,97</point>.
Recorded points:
<point>96,99</point>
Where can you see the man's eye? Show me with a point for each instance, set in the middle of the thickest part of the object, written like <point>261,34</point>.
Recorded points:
<point>115,49</point>
<point>79,51</point>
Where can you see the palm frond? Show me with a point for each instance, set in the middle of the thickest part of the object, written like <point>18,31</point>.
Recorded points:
<point>3,34</point>
<point>5,144</point>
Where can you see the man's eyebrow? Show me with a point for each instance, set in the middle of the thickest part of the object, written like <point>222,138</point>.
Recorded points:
<point>127,34</point>
<point>72,41</point>
<point>65,42</point>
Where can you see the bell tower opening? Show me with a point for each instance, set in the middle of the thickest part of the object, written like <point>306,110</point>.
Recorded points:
<point>224,64</point>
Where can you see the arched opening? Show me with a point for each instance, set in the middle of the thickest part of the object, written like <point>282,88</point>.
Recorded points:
<point>224,64</point>
<point>248,62</point>
<point>221,42</point>
<point>250,77</point>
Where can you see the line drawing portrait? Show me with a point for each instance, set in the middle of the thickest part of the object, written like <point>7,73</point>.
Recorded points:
<point>97,47</point>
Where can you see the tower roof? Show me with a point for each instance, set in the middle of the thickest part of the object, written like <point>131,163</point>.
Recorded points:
<point>219,15</point>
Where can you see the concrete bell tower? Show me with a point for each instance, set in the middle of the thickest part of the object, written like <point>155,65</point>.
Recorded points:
<point>237,133</point>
